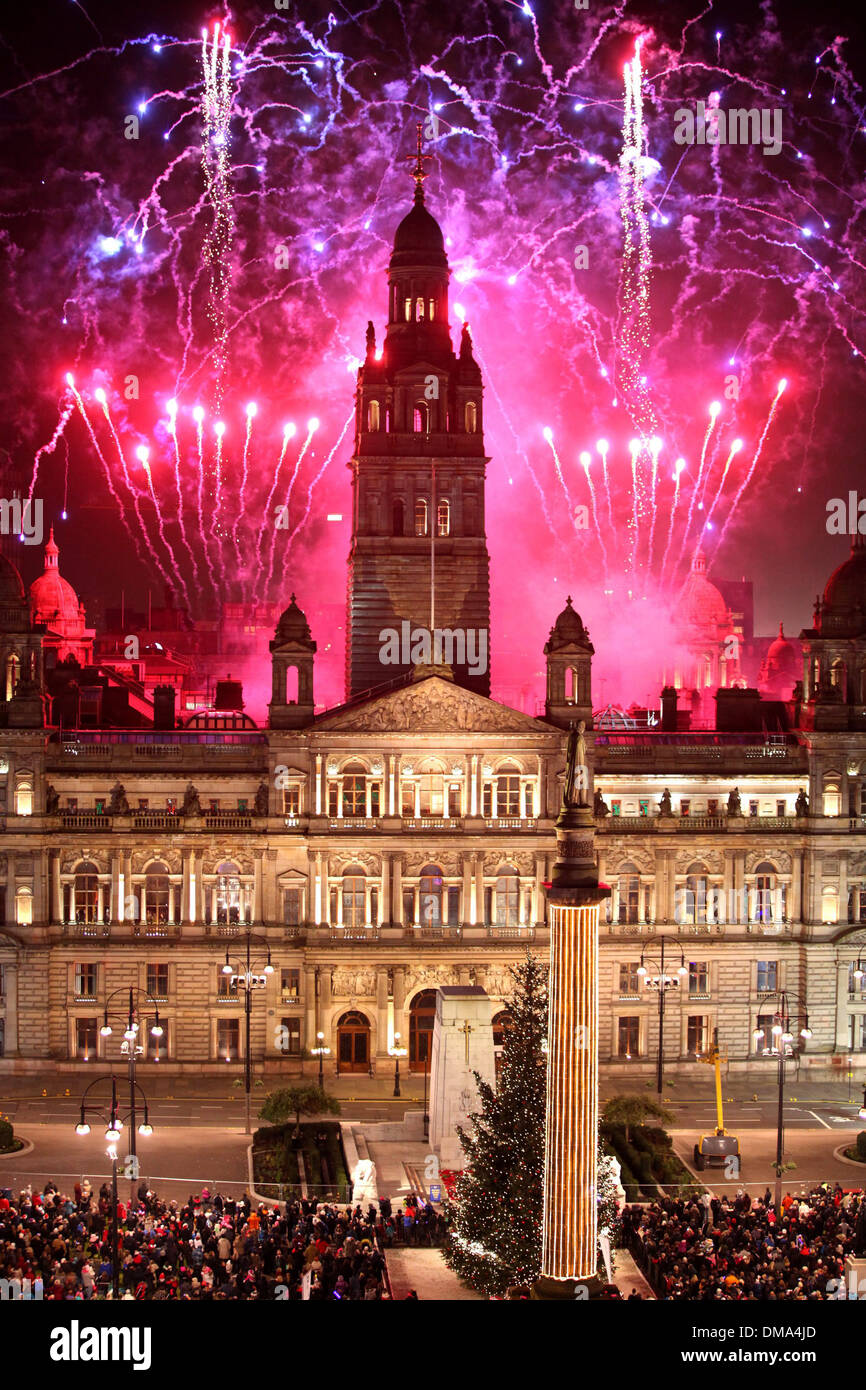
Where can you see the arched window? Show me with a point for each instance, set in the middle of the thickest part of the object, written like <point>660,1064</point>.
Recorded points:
<point>769,900</point>
<point>431,309</point>
<point>695,906</point>
<point>420,418</point>
<point>292,683</point>
<point>507,897</point>
<point>354,897</point>
<point>430,896</point>
<point>407,309</point>
<point>86,892</point>
<point>508,790</point>
<point>157,888</point>
<point>373,415</point>
<point>24,907</point>
<point>419,310</point>
<point>470,417</point>
<point>443,518</point>
<point>228,893</point>
<point>422,1015</point>
<point>837,674</point>
<point>832,794</point>
<point>570,684</point>
<point>24,795</point>
<point>397,522</point>
<point>420,516</point>
<point>354,790</point>
<point>629,893</point>
<point>13,672</point>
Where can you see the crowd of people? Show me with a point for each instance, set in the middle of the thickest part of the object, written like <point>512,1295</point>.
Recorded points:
<point>715,1248</point>
<point>58,1245</point>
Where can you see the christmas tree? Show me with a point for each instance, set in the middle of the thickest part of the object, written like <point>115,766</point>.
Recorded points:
<point>495,1230</point>
<point>494,1238</point>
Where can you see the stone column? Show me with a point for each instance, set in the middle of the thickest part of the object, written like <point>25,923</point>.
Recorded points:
<point>258,894</point>
<point>326,891</point>
<point>479,890</point>
<point>843,886</point>
<point>474,809</point>
<point>538,889</point>
<point>56,913</point>
<point>397,865</point>
<point>843,1024</point>
<point>466,914</point>
<point>311,1024</point>
<point>186,869</point>
<point>269,888</point>
<point>796,909</point>
<point>400,1000</point>
<point>12,1008</point>
<point>200,887</point>
<point>382,1011</point>
<point>392,801</point>
<point>463,975</point>
<point>11,888</point>
<point>385,895</point>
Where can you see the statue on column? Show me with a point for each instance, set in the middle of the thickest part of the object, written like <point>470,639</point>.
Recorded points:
<point>52,800</point>
<point>118,805</point>
<point>600,806</point>
<point>734,804</point>
<point>191,804</point>
<point>665,804</point>
<point>576,769</point>
<point>802,804</point>
<point>262,799</point>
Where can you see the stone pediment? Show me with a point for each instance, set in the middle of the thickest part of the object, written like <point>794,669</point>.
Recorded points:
<point>432,705</point>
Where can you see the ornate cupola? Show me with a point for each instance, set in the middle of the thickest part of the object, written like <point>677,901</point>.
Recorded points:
<point>292,653</point>
<point>418,552</point>
<point>569,655</point>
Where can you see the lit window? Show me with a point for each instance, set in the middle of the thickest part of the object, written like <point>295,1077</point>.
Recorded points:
<point>420,517</point>
<point>443,519</point>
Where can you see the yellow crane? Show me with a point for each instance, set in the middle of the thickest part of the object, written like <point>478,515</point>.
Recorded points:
<point>715,1150</point>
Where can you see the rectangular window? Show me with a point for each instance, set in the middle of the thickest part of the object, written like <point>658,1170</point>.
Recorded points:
<point>712,806</point>
<point>143,803</point>
<point>171,804</point>
<point>699,978</point>
<point>213,804</point>
<point>291,1036</point>
<point>2,981</point>
<point>292,907</point>
<point>292,800</point>
<point>768,976</point>
<point>488,907</point>
<point>643,806</point>
<point>508,796</point>
<point>629,980</point>
<point>228,1039</point>
<point>407,799</point>
<point>157,982</point>
<point>290,983</point>
<point>243,803</point>
<point>333,802</point>
<point>764,1028</point>
<point>454,800</point>
<point>354,796</point>
<point>696,1033</point>
<point>685,806</point>
<point>628,1036</point>
<point>616,808</point>
<point>409,906</point>
<point>227,986</point>
<point>780,808</point>
<point>85,981</point>
<point>753,808</point>
<point>155,1048</point>
<point>374,905</point>
<point>375,798</point>
<point>72,803</point>
<point>85,1039</point>
<point>629,899</point>
<point>487,799</point>
<point>528,801</point>
<point>333,900</point>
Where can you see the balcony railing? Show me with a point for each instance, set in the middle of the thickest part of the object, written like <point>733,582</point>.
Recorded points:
<point>85,820</point>
<point>156,820</point>
<point>511,933</point>
<point>353,822</point>
<point>370,933</point>
<point>434,933</point>
<point>432,823</point>
<point>511,823</point>
<point>228,820</point>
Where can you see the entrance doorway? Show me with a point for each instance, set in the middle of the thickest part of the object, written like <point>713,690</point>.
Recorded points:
<point>422,1014</point>
<point>353,1042</point>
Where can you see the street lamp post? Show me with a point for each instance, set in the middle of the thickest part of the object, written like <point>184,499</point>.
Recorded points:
<point>397,1052</point>
<point>249,979</point>
<point>662,983</point>
<point>132,1047</point>
<point>783,1038</point>
<point>321,1052</point>
<point>113,1132</point>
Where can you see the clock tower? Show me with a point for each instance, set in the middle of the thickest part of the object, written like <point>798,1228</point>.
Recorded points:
<point>419,589</point>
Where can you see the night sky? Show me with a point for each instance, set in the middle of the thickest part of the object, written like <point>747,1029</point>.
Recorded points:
<point>235,250</point>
